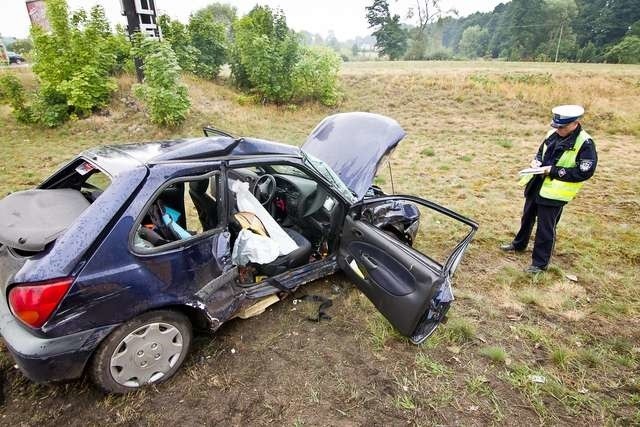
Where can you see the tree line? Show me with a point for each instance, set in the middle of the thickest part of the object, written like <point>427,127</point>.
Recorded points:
<point>532,30</point>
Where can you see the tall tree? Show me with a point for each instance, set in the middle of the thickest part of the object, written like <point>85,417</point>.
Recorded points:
<point>208,36</point>
<point>391,38</point>
<point>265,54</point>
<point>426,14</point>
<point>474,41</point>
<point>520,29</point>
<point>177,35</point>
<point>224,14</point>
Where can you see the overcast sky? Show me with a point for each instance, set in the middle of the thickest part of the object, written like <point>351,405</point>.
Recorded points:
<point>345,17</point>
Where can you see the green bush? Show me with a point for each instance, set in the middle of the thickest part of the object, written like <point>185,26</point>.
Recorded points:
<point>119,44</point>
<point>166,98</point>
<point>267,60</point>
<point>200,46</point>
<point>12,92</point>
<point>73,63</point>
<point>625,52</point>
<point>439,55</point>
<point>209,38</point>
<point>265,54</point>
<point>315,76</point>
<point>49,107</point>
<point>177,35</point>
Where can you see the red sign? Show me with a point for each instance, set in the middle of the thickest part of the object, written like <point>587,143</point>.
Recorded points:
<point>38,14</point>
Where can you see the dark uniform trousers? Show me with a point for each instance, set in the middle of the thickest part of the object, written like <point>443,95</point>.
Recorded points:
<point>548,217</point>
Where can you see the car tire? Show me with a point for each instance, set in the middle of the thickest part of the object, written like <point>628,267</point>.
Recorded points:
<point>147,349</point>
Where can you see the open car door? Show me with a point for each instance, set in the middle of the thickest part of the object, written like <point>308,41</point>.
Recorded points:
<point>411,289</point>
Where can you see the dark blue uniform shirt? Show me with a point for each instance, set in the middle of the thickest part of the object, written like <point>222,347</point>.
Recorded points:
<point>586,161</point>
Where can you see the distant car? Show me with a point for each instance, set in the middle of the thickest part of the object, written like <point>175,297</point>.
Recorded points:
<point>107,265</point>
<point>15,58</point>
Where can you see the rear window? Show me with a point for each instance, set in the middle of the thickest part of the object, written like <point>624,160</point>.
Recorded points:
<point>81,175</point>
<point>90,180</point>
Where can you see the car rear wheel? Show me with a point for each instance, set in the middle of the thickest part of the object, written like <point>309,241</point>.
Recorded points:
<point>148,349</point>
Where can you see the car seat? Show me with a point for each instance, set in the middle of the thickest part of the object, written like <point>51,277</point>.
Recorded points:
<point>205,204</point>
<point>298,257</point>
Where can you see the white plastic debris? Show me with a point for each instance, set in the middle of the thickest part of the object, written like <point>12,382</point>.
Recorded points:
<point>251,247</point>
<point>233,351</point>
<point>247,202</point>
<point>538,379</point>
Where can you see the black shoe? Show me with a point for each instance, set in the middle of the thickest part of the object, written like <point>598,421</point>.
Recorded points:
<point>534,270</point>
<point>508,247</point>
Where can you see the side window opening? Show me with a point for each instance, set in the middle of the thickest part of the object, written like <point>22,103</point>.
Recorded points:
<point>183,210</point>
<point>431,233</point>
<point>294,202</point>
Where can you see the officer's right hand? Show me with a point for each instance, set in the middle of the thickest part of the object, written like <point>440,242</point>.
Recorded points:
<point>535,163</point>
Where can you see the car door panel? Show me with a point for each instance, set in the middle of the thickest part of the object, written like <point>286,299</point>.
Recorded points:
<point>408,287</point>
<point>396,282</point>
<point>384,269</point>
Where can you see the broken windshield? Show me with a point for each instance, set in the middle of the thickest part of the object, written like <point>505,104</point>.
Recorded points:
<point>329,175</point>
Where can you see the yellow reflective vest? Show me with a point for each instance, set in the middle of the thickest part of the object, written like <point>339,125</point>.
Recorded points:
<point>554,188</point>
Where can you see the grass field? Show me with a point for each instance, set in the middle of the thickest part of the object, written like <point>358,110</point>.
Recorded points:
<point>516,349</point>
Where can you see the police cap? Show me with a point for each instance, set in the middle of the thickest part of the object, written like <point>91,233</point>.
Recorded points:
<point>566,114</point>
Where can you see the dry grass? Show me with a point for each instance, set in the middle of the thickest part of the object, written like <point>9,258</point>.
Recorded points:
<point>471,126</point>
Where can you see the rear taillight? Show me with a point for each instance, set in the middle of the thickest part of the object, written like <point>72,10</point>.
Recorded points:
<point>33,303</point>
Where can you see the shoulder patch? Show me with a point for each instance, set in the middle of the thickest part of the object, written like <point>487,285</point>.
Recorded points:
<point>586,165</point>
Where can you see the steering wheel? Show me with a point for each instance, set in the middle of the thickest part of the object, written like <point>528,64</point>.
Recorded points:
<point>264,188</point>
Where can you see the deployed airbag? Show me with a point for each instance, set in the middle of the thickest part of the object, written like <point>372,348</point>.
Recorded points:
<point>251,247</point>
<point>31,219</point>
<point>248,203</point>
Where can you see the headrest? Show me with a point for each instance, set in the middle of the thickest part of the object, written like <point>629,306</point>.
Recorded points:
<point>199,187</point>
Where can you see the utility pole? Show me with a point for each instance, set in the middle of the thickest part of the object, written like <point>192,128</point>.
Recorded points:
<point>141,18</point>
<point>559,39</point>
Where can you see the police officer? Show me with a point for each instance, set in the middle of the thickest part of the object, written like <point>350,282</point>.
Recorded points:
<point>567,157</point>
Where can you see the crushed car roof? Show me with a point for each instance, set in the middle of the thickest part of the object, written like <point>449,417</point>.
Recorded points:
<point>191,149</point>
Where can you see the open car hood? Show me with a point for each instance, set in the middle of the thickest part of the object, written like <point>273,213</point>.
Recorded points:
<point>353,145</point>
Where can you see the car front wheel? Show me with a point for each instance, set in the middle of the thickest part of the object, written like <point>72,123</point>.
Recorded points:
<point>148,349</point>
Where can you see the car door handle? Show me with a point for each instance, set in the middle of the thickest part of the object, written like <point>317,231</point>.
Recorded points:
<point>357,233</point>
<point>369,262</point>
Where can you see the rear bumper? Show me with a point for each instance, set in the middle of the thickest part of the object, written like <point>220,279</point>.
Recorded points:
<point>48,359</point>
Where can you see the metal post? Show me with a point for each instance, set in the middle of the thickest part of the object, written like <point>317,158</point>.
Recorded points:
<point>559,39</point>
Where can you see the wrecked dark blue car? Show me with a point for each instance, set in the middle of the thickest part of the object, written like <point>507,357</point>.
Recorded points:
<point>107,266</point>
